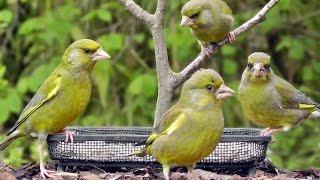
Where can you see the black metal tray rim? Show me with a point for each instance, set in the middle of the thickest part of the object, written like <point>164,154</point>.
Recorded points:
<point>135,137</point>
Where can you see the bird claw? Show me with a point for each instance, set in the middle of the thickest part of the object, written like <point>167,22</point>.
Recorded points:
<point>231,37</point>
<point>44,173</point>
<point>69,135</point>
<point>270,131</point>
<point>208,50</point>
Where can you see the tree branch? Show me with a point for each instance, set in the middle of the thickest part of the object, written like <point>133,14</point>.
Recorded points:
<point>164,72</point>
<point>193,66</point>
<point>138,12</point>
<point>160,11</point>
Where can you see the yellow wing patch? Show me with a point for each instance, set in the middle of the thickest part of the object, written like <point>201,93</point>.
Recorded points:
<point>54,91</point>
<point>176,124</point>
<point>27,113</point>
<point>306,106</point>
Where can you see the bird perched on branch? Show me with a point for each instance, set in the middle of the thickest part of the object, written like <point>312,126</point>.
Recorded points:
<point>191,129</point>
<point>61,99</point>
<point>210,22</point>
<point>271,101</point>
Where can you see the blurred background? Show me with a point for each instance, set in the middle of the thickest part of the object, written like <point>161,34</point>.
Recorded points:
<point>35,33</point>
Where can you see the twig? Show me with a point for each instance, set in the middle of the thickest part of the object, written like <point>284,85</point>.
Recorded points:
<point>193,66</point>
<point>138,12</point>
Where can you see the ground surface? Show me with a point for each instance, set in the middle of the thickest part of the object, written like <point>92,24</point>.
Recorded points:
<point>263,171</point>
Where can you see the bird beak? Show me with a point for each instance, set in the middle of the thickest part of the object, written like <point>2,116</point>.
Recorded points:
<point>258,70</point>
<point>100,54</point>
<point>186,21</point>
<point>223,92</point>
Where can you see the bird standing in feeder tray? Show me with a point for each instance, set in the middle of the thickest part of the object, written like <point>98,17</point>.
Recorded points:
<point>61,99</point>
<point>191,129</point>
<point>271,101</point>
<point>210,22</point>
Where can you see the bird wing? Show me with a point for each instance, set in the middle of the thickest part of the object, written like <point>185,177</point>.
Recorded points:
<point>292,98</point>
<point>223,6</point>
<point>227,10</point>
<point>168,123</point>
<point>46,92</point>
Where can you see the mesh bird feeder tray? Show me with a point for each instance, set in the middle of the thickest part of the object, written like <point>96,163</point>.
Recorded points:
<point>108,147</point>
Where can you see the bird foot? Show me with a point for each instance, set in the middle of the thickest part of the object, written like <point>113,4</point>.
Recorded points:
<point>231,37</point>
<point>44,173</point>
<point>270,131</point>
<point>69,135</point>
<point>208,50</point>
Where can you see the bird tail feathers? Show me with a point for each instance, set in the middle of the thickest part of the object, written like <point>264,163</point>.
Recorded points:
<point>139,153</point>
<point>140,143</point>
<point>9,139</point>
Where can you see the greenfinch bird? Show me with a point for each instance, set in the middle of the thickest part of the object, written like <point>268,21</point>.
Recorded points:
<point>210,22</point>
<point>269,100</point>
<point>61,99</point>
<point>191,129</point>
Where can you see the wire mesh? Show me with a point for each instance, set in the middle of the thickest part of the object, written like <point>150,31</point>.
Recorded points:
<point>112,145</point>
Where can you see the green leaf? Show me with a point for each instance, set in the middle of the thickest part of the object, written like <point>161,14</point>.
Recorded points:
<point>112,42</point>
<point>102,75</point>
<point>23,85</point>
<point>104,15</point>
<point>4,111</point>
<point>228,50</point>
<point>284,43</point>
<point>90,16</point>
<point>285,4</point>
<point>229,66</point>
<point>5,17</point>
<point>143,85</point>
<point>14,101</point>
<point>139,38</point>
<point>296,50</point>
<point>30,25</point>
<point>101,14</point>
<point>273,20</point>
<point>316,67</point>
<point>2,70</point>
<point>307,75</point>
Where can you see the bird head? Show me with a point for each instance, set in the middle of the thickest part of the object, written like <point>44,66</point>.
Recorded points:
<point>196,14</point>
<point>83,54</point>
<point>205,87</point>
<point>258,69</point>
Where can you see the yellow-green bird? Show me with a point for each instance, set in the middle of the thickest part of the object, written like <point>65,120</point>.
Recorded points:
<point>191,129</point>
<point>210,22</point>
<point>61,99</point>
<point>271,101</point>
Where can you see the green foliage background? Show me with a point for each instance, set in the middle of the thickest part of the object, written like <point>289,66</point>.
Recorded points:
<point>34,34</point>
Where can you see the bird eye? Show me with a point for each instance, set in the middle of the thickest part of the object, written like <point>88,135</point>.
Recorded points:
<point>267,66</point>
<point>194,15</point>
<point>88,51</point>
<point>250,65</point>
<point>209,87</point>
